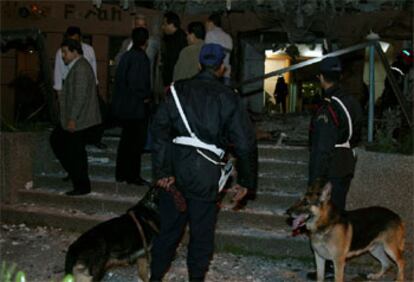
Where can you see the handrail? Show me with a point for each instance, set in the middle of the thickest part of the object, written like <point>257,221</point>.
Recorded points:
<point>404,103</point>
<point>304,63</point>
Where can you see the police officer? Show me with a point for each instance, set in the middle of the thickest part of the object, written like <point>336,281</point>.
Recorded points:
<point>186,157</point>
<point>334,130</point>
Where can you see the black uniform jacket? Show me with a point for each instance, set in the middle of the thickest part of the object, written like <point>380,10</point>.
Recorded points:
<point>173,44</point>
<point>329,126</point>
<point>217,116</point>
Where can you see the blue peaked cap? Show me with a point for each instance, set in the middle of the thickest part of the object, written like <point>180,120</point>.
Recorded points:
<point>211,55</point>
<point>330,64</point>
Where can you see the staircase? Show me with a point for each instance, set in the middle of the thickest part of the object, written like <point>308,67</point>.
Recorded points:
<point>258,229</point>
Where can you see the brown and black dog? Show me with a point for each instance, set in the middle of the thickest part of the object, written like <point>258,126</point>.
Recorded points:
<point>119,241</point>
<point>336,235</point>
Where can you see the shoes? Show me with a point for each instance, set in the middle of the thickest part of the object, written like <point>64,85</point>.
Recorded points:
<point>77,192</point>
<point>100,145</point>
<point>329,272</point>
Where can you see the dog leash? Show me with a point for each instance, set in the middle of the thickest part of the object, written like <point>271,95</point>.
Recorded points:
<point>141,232</point>
<point>178,197</point>
<point>151,224</point>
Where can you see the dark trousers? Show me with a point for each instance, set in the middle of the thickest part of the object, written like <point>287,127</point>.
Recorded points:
<point>340,188</point>
<point>69,149</point>
<point>201,216</point>
<point>282,101</point>
<point>130,148</point>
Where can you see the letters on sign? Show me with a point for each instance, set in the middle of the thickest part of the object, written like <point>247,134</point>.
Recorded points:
<point>102,14</point>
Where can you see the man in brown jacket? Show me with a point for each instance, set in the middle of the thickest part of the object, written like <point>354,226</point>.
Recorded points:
<point>79,112</point>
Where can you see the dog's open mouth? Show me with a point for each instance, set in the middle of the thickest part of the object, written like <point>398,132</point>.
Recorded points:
<point>298,223</point>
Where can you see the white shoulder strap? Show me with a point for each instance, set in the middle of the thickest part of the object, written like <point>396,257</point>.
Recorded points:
<point>193,140</point>
<point>180,109</point>
<point>348,116</point>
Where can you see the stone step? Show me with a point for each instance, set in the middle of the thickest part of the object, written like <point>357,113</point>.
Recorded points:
<point>266,151</point>
<point>264,206</point>
<point>93,203</point>
<point>102,185</point>
<point>267,167</point>
<point>265,148</point>
<point>282,184</point>
<point>273,185</point>
<point>254,217</point>
<point>239,238</point>
<point>290,153</point>
<point>105,169</point>
<point>266,164</point>
<point>96,155</point>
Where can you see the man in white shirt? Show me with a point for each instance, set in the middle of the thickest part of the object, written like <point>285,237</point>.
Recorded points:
<point>61,70</point>
<point>215,34</point>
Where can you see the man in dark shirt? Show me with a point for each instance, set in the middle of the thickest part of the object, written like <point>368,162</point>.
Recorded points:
<point>335,130</point>
<point>193,171</point>
<point>174,41</point>
<point>130,107</point>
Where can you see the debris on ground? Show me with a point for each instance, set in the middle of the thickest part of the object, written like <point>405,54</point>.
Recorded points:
<point>40,253</point>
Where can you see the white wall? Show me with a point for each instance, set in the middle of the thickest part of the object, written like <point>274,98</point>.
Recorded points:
<point>273,64</point>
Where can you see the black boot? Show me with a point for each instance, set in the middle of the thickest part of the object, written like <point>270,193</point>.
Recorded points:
<point>329,272</point>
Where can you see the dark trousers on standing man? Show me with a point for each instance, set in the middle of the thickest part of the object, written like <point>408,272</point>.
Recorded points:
<point>69,149</point>
<point>340,188</point>
<point>201,216</point>
<point>130,148</point>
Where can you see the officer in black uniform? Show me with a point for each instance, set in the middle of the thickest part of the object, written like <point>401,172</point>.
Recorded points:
<point>216,116</point>
<point>335,130</point>
<point>400,69</point>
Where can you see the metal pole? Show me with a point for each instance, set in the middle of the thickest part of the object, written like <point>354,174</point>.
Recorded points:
<point>305,63</point>
<point>371,93</point>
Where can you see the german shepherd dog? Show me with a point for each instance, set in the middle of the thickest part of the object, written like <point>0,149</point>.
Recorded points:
<point>336,235</point>
<point>118,241</point>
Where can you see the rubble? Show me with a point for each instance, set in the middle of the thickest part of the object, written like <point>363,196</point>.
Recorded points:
<point>40,253</point>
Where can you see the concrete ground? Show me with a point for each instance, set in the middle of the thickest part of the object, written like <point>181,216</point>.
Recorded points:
<point>40,253</point>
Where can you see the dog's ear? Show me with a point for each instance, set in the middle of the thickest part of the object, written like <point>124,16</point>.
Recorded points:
<point>317,185</point>
<point>326,192</point>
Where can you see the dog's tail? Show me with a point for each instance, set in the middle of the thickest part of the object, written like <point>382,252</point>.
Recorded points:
<point>70,260</point>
